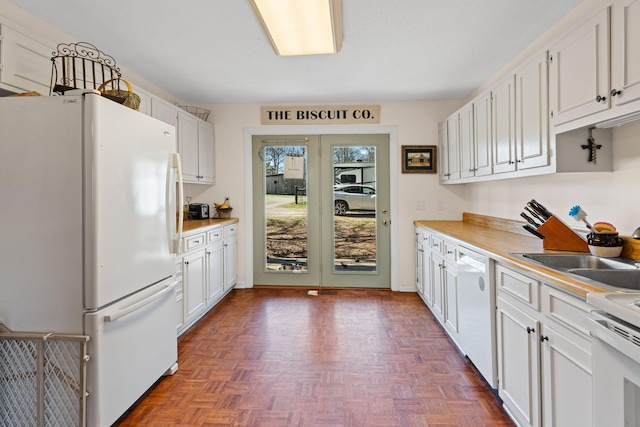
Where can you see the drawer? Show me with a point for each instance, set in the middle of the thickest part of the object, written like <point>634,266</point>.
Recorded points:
<point>565,309</point>
<point>437,244</point>
<point>517,285</point>
<point>193,242</point>
<point>450,251</point>
<point>426,238</point>
<point>230,230</point>
<point>214,235</point>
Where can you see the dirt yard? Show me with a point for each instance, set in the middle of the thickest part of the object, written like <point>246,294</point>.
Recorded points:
<point>355,237</point>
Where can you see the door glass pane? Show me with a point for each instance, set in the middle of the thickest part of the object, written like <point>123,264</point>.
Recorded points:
<point>354,201</point>
<point>285,169</point>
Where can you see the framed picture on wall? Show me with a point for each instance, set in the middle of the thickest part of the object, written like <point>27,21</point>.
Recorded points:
<point>419,159</point>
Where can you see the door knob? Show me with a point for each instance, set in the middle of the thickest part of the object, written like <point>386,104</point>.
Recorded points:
<point>386,222</point>
<point>385,210</point>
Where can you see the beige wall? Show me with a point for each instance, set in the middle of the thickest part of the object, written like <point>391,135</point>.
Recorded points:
<point>416,124</point>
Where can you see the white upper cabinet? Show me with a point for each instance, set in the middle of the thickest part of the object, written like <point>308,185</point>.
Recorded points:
<point>443,157</point>
<point>466,142</point>
<point>164,112</point>
<point>532,120</point>
<point>482,132</point>
<point>452,147</point>
<point>206,142</point>
<point>625,52</point>
<point>188,145</point>
<point>25,63</point>
<point>196,147</point>
<point>579,71</point>
<point>504,126</point>
<point>475,137</point>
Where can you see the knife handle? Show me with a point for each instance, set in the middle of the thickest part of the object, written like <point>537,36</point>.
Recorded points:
<point>542,210</point>
<point>533,213</point>
<point>529,220</point>
<point>533,231</point>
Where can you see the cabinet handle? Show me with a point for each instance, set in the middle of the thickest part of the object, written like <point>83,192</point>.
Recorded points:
<point>529,330</point>
<point>186,263</point>
<point>511,162</point>
<point>518,161</point>
<point>615,92</point>
<point>449,252</point>
<point>543,338</point>
<point>601,98</point>
<point>208,253</point>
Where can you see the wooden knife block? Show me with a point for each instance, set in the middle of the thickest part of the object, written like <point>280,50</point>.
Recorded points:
<point>560,237</point>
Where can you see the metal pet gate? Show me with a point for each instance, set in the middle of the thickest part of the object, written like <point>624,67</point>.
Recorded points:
<point>42,379</point>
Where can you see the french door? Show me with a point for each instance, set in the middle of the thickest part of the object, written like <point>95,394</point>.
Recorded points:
<point>321,210</point>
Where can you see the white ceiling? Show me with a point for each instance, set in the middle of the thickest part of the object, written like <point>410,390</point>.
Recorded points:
<point>214,51</point>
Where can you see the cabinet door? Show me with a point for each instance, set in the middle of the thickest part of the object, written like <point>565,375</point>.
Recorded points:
<point>419,250</point>
<point>625,51</point>
<point>518,363</point>
<point>443,155</point>
<point>437,276</point>
<point>194,281</point>
<point>504,121</point>
<point>532,118</point>
<point>164,112</point>
<point>230,261</point>
<point>450,286</point>
<point>215,272</point>
<point>467,143</point>
<point>566,381</point>
<point>453,145</point>
<point>579,71</point>
<point>188,145</point>
<point>206,144</point>
<point>427,273</point>
<point>26,63</point>
<point>482,134</point>
<point>145,100</point>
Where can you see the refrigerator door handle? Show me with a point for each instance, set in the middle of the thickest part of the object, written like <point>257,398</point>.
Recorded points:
<point>138,305</point>
<point>175,233</point>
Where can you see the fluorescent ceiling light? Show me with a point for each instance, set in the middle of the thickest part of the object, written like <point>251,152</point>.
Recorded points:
<point>301,27</point>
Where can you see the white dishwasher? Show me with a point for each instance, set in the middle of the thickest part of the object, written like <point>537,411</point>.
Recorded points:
<point>476,312</point>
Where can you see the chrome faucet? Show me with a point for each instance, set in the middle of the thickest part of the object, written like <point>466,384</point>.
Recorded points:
<point>636,234</point>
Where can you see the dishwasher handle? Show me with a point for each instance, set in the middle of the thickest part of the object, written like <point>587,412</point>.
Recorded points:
<point>598,328</point>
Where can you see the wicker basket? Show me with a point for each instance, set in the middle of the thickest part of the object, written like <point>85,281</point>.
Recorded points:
<point>201,113</point>
<point>124,97</point>
<point>224,212</point>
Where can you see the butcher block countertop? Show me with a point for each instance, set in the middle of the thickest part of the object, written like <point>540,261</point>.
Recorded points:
<point>195,225</point>
<point>496,238</point>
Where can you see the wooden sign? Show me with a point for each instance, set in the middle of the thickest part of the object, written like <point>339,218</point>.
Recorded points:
<point>320,115</point>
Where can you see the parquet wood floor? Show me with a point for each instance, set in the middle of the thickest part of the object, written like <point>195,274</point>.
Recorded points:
<point>280,357</point>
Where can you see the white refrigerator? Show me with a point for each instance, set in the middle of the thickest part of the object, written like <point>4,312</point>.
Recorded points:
<point>88,233</point>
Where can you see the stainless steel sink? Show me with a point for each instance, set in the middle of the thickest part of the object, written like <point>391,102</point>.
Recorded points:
<point>627,279</point>
<point>571,261</point>
<point>615,273</point>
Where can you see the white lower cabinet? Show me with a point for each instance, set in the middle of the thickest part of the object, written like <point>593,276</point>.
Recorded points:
<point>423,265</point>
<point>194,281</point>
<point>544,354</point>
<point>208,269</point>
<point>230,246</point>
<point>440,281</point>
<point>215,266</point>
